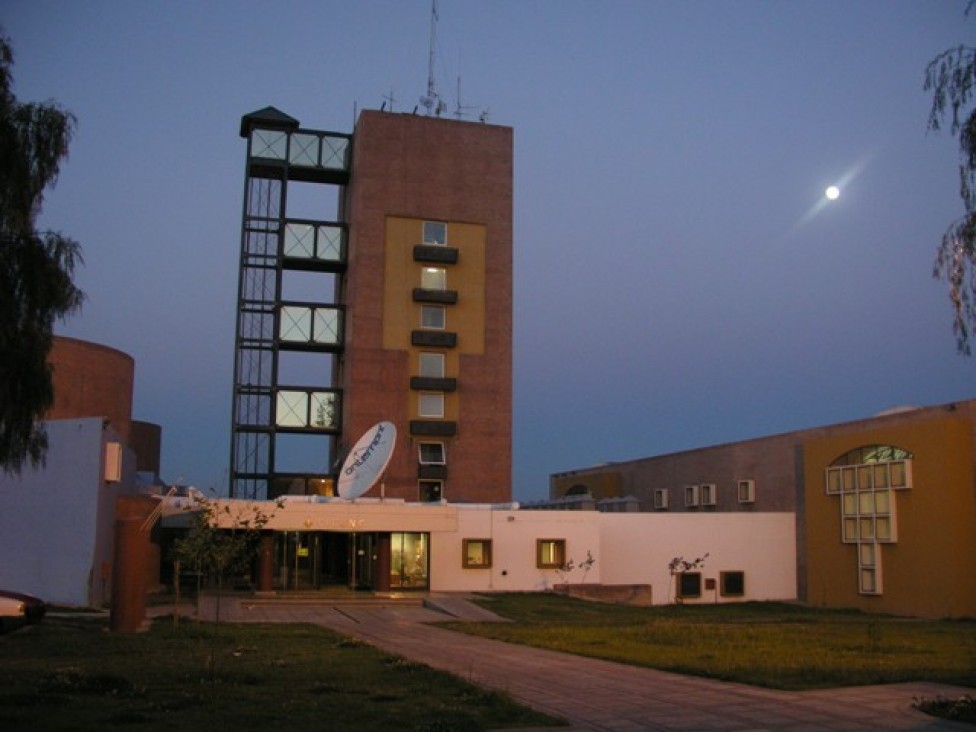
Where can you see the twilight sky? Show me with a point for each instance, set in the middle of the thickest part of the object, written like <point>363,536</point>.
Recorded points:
<point>679,280</point>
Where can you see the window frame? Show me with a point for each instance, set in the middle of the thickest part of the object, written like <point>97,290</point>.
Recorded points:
<point>691,496</point>
<point>431,358</point>
<point>439,484</point>
<point>558,552</point>
<point>430,309</point>
<point>429,444</point>
<point>680,589</point>
<point>433,242</point>
<point>660,499</point>
<point>486,554</point>
<point>424,399</point>
<point>433,278</point>
<point>724,579</point>
<point>707,494</point>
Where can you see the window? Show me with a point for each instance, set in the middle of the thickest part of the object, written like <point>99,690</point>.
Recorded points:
<point>435,233</point>
<point>689,584</point>
<point>432,404</point>
<point>476,554</point>
<point>431,491</point>
<point>691,495</point>
<point>432,453</point>
<point>432,365</point>
<point>732,584</point>
<point>433,317</point>
<point>661,498</point>
<point>747,491</point>
<point>550,553</point>
<point>433,278</point>
<point>706,492</point>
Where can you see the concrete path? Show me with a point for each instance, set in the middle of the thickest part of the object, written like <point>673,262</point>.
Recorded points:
<point>599,695</point>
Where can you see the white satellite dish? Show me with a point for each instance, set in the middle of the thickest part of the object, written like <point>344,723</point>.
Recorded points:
<point>367,460</point>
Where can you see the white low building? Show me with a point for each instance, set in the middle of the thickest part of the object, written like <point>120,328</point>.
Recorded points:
<point>392,545</point>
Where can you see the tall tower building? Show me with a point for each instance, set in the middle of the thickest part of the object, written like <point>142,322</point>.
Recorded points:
<point>376,284</point>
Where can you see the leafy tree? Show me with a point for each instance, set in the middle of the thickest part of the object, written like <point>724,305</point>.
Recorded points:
<point>36,268</point>
<point>951,77</point>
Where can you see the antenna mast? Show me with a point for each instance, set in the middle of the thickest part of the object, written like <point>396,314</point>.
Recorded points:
<point>431,102</point>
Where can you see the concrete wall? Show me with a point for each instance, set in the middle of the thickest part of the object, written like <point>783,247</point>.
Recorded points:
<point>56,524</point>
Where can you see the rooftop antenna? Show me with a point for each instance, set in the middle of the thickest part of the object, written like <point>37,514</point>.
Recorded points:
<point>459,111</point>
<point>431,101</point>
<point>388,98</point>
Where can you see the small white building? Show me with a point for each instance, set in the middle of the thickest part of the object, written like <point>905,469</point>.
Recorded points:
<point>391,545</point>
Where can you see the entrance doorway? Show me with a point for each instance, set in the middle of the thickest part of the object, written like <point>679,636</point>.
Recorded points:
<point>315,560</point>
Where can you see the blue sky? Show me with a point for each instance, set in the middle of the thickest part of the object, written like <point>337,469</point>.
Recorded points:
<point>678,280</point>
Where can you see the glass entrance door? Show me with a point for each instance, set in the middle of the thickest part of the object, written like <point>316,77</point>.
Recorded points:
<point>409,561</point>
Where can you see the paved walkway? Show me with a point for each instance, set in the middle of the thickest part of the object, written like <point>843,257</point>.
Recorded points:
<point>599,695</point>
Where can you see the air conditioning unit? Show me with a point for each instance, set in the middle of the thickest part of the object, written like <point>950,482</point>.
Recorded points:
<point>661,499</point>
<point>691,495</point>
<point>747,491</point>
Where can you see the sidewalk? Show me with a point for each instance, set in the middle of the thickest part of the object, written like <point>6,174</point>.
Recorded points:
<point>599,695</point>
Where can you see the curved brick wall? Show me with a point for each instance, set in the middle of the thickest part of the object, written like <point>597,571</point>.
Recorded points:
<point>92,380</point>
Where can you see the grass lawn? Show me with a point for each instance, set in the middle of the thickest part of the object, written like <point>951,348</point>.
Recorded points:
<point>781,646</point>
<point>71,674</point>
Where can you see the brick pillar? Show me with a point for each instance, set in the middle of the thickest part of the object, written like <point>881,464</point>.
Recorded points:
<point>129,573</point>
<point>381,574</point>
<point>266,563</point>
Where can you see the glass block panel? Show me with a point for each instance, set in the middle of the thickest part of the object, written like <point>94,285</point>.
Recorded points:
<point>334,152</point>
<point>330,243</point>
<point>849,483</point>
<point>868,581</point>
<point>881,476</point>
<point>296,324</point>
<point>326,326</point>
<point>899,475</point>
<point>269,144</point>
<point>884,529</point>
<point>850,529</point>
<point>866,554</point>
<point>865,503</point>
<point>882,502</point>
<point>850,504</point>
<point>833,480</point>
<point>299,240</point>
<point>324,412</point>
<point>304,150</point>
<point>292,409</point>
<point>866,528</point>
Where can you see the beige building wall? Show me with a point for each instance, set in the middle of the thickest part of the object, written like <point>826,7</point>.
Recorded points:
<point>928,569</point>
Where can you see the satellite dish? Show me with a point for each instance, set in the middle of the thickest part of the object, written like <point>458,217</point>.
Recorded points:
<point>367,460</point>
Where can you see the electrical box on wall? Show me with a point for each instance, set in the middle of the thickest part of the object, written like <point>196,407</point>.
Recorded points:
<point>113,462</point>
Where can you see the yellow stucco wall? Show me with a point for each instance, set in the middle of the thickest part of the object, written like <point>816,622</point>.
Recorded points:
<point>466,318</point>
<point>929,570</point>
